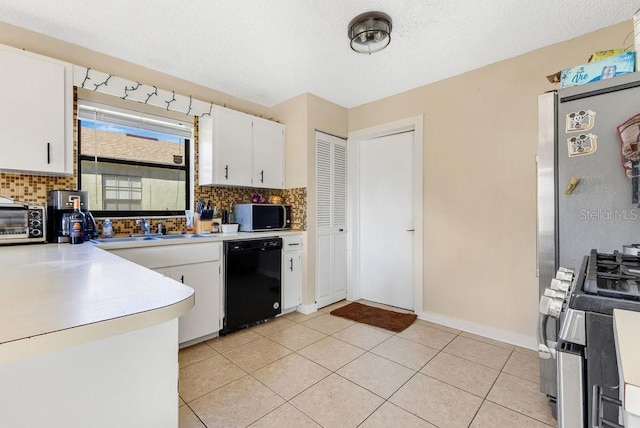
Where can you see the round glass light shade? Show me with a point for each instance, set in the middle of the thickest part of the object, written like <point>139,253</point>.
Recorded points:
<point>370,32</point>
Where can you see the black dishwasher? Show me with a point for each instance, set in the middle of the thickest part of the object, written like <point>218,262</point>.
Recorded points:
<point>252,282</point>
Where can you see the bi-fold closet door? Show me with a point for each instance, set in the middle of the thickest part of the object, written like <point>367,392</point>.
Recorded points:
<point>331,219</point>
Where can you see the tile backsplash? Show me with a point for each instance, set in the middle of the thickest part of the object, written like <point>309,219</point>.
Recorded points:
<point>34,188</point>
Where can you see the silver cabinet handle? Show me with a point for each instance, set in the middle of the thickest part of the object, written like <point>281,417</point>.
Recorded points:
<point>291,266</point>
<point>411,230</point>
<point>226,172</point>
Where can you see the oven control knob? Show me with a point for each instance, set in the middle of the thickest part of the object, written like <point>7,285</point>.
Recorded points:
<point>550,306</point>
<point>565,274</point>
<point>559,284</point>
<point>555,294</point>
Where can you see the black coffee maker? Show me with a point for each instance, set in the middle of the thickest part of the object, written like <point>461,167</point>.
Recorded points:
<point>59,206</point>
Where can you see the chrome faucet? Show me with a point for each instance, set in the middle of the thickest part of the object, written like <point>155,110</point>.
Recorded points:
<point>144,224</point>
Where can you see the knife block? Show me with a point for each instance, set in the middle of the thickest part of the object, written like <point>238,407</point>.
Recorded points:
<point>201,226</point>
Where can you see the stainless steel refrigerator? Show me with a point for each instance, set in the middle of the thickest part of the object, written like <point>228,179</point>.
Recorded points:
<point>587,192</point>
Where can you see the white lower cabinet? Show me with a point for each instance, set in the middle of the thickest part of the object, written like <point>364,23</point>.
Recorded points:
<point>291,271</point>
<point>204,318</point>
<point>196,265</point>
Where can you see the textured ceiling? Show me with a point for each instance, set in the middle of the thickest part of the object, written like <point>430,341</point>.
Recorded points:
<point>267,51</point>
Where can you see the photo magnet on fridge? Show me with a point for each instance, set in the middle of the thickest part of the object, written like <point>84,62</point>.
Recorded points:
<point>582,120</point>
<point>583,144</point>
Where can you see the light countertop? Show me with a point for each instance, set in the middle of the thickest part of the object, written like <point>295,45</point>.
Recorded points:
<point>626,325</point>
<point>212,237</point>
<point>55,296</point>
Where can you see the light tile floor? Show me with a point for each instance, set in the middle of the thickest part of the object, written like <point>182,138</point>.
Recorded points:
<point>318,370</point>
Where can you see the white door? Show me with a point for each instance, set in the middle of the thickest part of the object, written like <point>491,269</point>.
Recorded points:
<point>331,219</point>
<point>386,219</point>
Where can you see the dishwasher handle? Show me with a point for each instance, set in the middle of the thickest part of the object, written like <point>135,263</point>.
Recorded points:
<point>268,244</point>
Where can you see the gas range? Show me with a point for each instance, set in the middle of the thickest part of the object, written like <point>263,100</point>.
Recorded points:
<point>613,275</point>
<point>588,382</point>
<point>606,282</point>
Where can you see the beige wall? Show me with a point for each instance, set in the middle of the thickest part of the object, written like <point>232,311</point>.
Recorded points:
<point>34,42</point>
<point>479,161</point>
<point>480,143</point>
<point>294,114</point>
<point>303,115</point>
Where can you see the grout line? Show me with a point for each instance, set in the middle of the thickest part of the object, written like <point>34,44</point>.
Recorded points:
<point>515,411</point>
<point>194,412</point>
<point>330,371</point>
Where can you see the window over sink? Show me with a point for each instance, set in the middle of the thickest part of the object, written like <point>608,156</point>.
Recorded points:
<point>132,163</point>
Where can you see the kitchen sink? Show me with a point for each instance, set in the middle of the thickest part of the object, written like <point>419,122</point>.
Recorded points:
<point>150,237</point>
<point>124,239</point>
<point>184,235</point>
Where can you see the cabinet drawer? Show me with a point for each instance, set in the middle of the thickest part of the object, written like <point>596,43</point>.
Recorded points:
<point>171,255</point>
<point>292,243</point>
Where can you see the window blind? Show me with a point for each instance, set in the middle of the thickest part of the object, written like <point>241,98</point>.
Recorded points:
<point>91,111</point>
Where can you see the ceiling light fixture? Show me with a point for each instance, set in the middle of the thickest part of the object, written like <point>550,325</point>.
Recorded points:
<point>370,32</point>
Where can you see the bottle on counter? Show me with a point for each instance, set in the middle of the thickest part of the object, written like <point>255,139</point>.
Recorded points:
<point>225,217</point>
<point>107,228</point>
<point>76,224</point>
<point>232,216</point>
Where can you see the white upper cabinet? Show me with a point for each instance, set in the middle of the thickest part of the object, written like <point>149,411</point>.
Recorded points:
<point>36,119</point>
<point>237,149</point>
<point>225,142</point>
<point>268,154</point>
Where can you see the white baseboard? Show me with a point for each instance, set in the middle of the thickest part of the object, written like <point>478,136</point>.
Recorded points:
<point>517,339</point>
<point>287,311</point>
<point>308,309</point>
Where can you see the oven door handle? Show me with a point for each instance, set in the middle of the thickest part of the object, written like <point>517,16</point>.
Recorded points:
<point>597,409</point>
<point>546,347</point>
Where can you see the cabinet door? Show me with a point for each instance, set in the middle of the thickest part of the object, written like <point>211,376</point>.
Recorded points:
<point>291,279</point>
<point>233,137</point>
<point>268,154</point>
<point>204,317</point>
<point>33,125</point>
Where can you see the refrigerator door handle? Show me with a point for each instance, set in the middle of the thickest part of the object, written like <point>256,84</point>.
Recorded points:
<point>537,224</point>
<point>546,348</point>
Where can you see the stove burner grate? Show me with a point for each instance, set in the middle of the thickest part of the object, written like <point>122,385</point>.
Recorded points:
<point>613,275</point>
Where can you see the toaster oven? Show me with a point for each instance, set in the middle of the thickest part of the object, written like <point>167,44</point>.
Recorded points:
<point>22,223</point>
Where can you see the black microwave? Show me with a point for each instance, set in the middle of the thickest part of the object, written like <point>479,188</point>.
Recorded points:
<point>260,217</point>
